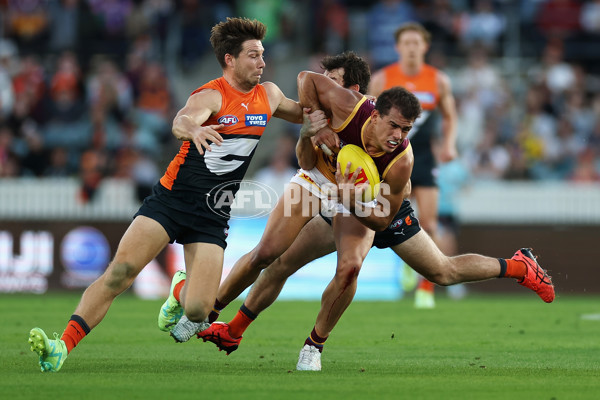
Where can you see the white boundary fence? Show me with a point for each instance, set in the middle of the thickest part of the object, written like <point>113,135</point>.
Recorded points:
<point>483,202</point>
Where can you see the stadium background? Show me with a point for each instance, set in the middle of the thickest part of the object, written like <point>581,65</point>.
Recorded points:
<point>88,89</point>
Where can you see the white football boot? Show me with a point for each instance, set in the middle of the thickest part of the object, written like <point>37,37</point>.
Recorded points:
<point>309,359</point>
<point>185,329</point>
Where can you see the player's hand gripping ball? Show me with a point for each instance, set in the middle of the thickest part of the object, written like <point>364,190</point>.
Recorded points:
<point>359,158</point>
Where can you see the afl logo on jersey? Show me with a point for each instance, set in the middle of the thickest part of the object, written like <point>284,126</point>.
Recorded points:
<point>397,223</point>
<point>228,120</point>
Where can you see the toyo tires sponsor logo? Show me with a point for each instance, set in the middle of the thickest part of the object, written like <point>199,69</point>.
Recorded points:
<point>256,119</point>
<point>252,200</point>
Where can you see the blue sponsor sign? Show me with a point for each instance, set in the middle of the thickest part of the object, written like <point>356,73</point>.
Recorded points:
<point>256,119</point>
<point>85,254</point>
<point>379,279</point>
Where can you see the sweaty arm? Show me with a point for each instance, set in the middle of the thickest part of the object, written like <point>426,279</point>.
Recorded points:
<point>187,124</point>
<point>392,192</point>
<point>447,108</point>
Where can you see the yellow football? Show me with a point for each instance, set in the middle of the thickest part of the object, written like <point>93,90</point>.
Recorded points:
<point>359,158</point>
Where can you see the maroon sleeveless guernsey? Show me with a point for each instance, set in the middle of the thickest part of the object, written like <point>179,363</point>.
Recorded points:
<point>351,131</point>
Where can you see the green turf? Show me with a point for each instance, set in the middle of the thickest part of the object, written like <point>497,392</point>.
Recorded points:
<point>482,347</point>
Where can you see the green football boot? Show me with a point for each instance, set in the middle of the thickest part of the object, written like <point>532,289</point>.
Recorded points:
<point>52,352</point>
<point>171,311</point>
<point>409,278</point>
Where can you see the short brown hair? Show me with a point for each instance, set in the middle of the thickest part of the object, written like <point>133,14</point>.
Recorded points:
<point>356,69</point>
<point>227,36</point>
<point>400,98</point>
<point>413,26</point>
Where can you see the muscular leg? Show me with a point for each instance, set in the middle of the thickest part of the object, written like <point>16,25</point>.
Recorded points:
<point>314,241</point>
<point>353,241</point>
<point>422,254</point>
<point>204,266</point>
<point>292,212</point>
<point>143,241</point>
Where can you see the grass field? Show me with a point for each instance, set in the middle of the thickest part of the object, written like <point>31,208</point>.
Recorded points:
<point>482,347</point>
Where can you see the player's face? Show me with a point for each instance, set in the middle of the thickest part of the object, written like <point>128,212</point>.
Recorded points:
<point>391,129</point>
<point>336,75</point>
<point>412,46</point>
<point>249,65</point>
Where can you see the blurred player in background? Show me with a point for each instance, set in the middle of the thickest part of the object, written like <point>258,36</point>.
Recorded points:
<point>432,88</point>
<point>220,127</point>
<point>453,177</point>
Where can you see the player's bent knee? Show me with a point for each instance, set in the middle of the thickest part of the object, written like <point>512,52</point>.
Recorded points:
<point>263,256</point>
<point>119,276</point>
<point>445,276</point>
<point>439,279</point>
<point>348,270</point>
<point>197,311</point>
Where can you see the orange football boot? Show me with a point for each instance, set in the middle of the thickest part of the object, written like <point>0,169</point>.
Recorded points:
<point>218,333</point>
<point>536,278</point>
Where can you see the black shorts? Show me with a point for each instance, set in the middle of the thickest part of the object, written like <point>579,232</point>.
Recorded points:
<point>186,220</point>
<point>423,170</point>
<point>404,226</point>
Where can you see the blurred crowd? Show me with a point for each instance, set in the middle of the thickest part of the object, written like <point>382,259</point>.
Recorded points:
<point>86,86</point>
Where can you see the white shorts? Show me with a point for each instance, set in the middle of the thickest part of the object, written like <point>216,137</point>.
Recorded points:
<point>318,185</point>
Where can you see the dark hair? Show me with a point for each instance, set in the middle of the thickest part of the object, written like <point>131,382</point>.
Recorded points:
<point>413,26</point>
<point>400,98</point>
<point>356,70</point>
<point>227,36</point>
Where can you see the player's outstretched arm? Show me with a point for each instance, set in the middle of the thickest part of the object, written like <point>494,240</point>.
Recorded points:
<point>187,124</point>
<point>281,106</point>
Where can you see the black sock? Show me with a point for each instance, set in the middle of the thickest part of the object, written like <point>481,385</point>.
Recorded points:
<point>502,267</point>
<point>247,311</point>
